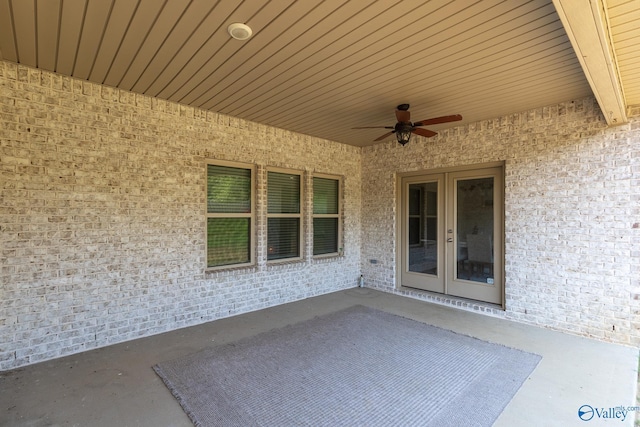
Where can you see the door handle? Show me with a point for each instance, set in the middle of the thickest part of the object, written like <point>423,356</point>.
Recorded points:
<point>450,240</point>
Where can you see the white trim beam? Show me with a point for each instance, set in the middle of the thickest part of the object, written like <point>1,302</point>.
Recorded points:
<point>587,28</point>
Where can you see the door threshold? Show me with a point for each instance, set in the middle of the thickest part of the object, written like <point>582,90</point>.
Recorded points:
<point>496,310</point>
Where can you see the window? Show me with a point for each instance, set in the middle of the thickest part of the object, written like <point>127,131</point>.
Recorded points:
<point>284,216</point>
<point>326,216</point>
<point>230,215</point>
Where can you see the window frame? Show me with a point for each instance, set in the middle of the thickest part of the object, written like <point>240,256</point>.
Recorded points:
<point>299,215</point>
<point>338,216</point>
<point>251,215</point>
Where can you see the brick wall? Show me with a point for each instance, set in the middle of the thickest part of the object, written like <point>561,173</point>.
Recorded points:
<point>103,197</point>
<point>102,227</point>
<point>572,209</point>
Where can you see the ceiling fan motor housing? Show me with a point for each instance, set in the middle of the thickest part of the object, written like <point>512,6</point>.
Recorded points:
<point>403,127</point>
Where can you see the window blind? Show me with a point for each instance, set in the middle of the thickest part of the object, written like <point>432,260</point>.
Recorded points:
<point>228,241</point>
<point>283,238</point>
<point>325,196</point>
<point>283,193</point>
<point>325,235</point>
<point>283,215</point>
<point>229,218</point>
<point>326,216</point>
<point>228,189</point>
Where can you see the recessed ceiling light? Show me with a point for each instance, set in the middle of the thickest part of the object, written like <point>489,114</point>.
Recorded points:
<point>239,31</point>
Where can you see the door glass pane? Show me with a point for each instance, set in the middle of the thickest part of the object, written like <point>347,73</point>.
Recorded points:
<point>474,225</point>
<point>422,227</point>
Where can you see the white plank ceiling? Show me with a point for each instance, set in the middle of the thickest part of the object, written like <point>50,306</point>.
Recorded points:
<point>624,20</point>
<point>321,67</point>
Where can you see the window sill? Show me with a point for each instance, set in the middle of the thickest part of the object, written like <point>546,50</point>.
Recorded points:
<point>327,257</point>
<point>286,261</point>
<point>231,269</point>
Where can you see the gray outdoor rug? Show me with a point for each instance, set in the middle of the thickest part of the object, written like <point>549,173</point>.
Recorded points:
<point>355,367</point>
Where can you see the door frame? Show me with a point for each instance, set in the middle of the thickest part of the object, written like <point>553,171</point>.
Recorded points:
<point>500,251</point>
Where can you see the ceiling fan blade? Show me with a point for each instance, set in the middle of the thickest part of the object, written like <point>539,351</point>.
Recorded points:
<point>374,127</point>
<point>424,132</point>
<point>384,136</point>
<point>436,120</point>
<point>403,115</point>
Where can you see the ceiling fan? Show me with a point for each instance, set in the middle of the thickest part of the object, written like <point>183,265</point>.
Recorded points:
<point>404,128</point>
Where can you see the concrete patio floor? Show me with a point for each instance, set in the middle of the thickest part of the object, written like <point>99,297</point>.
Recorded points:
<point>115,386</point>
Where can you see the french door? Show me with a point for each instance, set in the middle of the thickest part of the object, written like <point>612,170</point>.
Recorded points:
<point>451,233</point>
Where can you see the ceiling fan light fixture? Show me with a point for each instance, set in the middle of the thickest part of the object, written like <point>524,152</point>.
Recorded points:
<point>403,136</point>
<point>403,132</point>
<point>239,31</point>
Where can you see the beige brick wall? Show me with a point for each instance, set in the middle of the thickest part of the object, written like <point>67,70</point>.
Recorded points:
<point>102,215</point>
<point>102,228</point>
<point>572,212</point>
